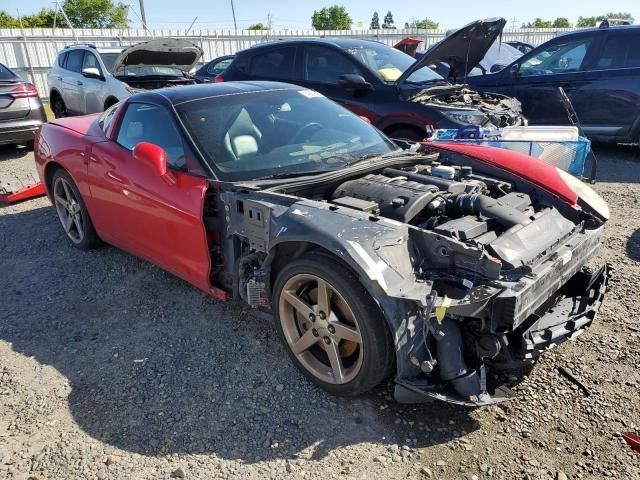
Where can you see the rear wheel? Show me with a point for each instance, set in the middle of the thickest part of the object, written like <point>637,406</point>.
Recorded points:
<point>57,106</point>
<point>332,330</point>
<point>72,212</point>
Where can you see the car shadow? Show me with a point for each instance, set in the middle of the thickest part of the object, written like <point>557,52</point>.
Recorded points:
<point>156,367</point>
<point>616,163</point>
<point>12,152</point>
<point>633,246</point>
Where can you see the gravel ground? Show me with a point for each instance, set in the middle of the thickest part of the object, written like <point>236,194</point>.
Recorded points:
<point>111,368</point>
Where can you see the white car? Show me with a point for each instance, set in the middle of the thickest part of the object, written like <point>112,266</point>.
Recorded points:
<point>87,79</point>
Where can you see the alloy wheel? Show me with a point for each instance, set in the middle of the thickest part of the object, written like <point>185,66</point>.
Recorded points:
<point>69,210</point>
<point>321,329</point>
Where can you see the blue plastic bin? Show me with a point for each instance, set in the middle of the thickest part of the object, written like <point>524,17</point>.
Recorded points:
<point>568,156</point>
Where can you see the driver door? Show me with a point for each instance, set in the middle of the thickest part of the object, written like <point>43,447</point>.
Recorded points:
<point>322,68</point>
<point>560,64</point>
<point>155,217</point>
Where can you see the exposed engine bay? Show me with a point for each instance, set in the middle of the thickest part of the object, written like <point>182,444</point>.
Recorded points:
<point>476,271</point>
<point>501,110</point>
<point>154,82</point>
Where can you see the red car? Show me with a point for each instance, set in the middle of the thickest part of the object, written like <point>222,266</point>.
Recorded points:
<point>438,265</point>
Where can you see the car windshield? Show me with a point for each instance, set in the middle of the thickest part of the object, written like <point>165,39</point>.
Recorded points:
<point>390,63</point>
<point>275,133</point>
<point>109,59</point>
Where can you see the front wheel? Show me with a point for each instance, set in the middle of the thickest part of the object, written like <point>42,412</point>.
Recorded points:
<point>331,328</point>
<point>57,106</point>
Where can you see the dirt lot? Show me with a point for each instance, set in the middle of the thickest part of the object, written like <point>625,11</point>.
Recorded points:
<point>111,368</point>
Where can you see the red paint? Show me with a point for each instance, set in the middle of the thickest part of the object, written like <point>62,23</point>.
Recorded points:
<point>31,191</point>
<point>218,79</point>
<point>85,125</point>
<point>158,218</point>
<point>531,169</point>
<point>633,440</point>
<point>153,156</point>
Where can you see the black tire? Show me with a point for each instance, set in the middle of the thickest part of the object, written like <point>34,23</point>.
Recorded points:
<point>58,106</point>
<point>376,346</point>
<point>407,133</point>
<point>110,102</point>
<point>89,238</point>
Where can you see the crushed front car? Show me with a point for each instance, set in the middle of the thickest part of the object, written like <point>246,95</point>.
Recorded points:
<point>476,257</point>
<point>499,110</point>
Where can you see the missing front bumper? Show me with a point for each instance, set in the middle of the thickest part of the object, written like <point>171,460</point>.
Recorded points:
<point>570,316</point>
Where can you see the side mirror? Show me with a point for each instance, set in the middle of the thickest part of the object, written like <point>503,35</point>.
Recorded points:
<point>515,70</point>
<point>151,155</point>
<point>354,82</point>
<point>91,72</point>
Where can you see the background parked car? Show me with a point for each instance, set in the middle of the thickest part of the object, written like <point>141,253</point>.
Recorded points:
<point>21,111</point>
<point>87,79</point>
<point>598,68</point>
<point>209,71</point>
<point>399,95</point>
<point>524,47</point>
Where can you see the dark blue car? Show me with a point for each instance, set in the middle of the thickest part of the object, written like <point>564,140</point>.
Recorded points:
<point>599,70</point>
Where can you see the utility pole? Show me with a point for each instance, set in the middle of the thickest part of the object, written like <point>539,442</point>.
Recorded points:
<point>144,17</point>
<point>514,22</point>
<point>233,12</point>
<point>269,20</point>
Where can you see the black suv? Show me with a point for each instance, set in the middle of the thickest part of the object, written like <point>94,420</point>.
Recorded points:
<point>598,68</point>
<point>402,97</point>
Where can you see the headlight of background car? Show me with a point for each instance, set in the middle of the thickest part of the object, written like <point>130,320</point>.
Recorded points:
<point>471,118</point>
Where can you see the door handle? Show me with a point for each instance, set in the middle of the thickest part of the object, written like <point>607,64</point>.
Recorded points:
<point>78,82</point>
<point>60,78</point>
<point>117,178</point>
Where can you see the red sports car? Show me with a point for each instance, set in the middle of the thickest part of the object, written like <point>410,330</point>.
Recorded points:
<point>438,264</point>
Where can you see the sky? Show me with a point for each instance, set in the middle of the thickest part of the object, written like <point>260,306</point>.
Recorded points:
<point>296,14</point>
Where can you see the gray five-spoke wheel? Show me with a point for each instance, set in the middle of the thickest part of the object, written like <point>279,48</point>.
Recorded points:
<point>69,210</point>
<point>321,329</point>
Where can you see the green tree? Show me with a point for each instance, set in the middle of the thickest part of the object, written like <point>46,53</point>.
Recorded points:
<point>42,19</point>
<point>388,21</point>
<point>331,18</point>
<point>258,26</point>
<point>425,23</point>
<point>96,13</point>
<point>375,22</point>
<point>562,22</point>
<point>584,22</point>
<point>539,23</point>
<point>7,21</point>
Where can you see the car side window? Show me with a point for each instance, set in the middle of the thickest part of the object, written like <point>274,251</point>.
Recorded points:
<point>218,68</point>
<point>62,59</point>
<point>91,61</point>
<point>276,63</point>
<point>74,60</point>
<point>324,65</point>
<point>143,122</point>
<point>620,50</point>
<point>558,58</point>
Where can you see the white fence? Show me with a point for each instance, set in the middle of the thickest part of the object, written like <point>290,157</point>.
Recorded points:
<point>31,52</point>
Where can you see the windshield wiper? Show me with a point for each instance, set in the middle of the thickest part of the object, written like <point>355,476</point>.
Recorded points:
<point>369,156</point>
<point>292,174</point>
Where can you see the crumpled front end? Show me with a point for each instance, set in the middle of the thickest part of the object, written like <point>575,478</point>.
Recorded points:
<point>500,110</point>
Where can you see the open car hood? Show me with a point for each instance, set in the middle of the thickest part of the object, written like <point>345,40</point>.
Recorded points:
<point>165,52</point>
<point>463,49</point>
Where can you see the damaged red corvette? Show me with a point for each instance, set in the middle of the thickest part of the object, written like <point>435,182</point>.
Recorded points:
<point>440,265</point>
